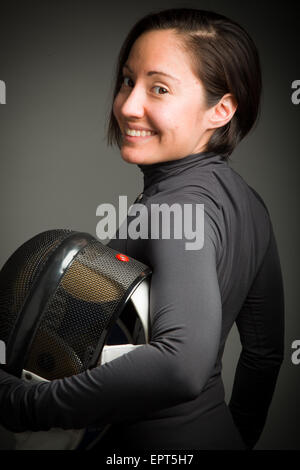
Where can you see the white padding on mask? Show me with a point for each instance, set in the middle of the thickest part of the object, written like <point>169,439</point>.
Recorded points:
<point>109,353</point>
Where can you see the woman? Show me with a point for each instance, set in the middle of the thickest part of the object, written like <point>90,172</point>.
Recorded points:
<point>187,91</point>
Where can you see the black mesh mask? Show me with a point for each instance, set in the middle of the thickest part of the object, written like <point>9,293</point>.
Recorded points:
<point>69,303</point>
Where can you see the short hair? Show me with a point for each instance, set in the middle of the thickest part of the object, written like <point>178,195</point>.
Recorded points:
<point>223,56</point>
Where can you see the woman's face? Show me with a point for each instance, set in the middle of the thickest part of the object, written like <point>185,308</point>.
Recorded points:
<point>160,93</point>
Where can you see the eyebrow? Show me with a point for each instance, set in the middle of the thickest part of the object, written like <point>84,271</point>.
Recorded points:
<point>155,72</point>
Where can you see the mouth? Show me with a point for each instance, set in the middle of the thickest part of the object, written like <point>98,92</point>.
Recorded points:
<point>133,135</point>
<point>131,138</point>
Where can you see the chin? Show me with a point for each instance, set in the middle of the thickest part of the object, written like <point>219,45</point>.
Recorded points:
<point>135,157</point>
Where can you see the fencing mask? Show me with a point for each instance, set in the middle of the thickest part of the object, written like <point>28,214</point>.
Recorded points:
<point>69,303</point>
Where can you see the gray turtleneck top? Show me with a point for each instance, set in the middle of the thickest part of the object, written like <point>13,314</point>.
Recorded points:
<point>169,394</point>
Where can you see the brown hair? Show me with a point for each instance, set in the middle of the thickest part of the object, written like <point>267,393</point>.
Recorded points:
<point>225,59</point>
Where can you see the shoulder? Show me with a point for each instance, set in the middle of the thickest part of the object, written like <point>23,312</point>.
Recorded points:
<point>183,220</point>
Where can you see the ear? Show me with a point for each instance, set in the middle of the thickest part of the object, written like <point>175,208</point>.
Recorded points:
<point>223,111</point>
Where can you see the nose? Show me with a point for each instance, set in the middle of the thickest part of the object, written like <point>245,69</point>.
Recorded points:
<point>134,104</point>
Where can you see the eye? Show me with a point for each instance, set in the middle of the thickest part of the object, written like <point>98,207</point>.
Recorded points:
<point>124,78</point>
<point>126,82</point>
<point>161,88</point>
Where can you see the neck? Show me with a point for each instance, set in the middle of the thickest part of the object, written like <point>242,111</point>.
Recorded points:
<point>155,172</point>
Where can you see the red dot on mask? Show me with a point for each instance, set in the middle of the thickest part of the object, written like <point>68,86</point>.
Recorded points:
<point>122,257</point>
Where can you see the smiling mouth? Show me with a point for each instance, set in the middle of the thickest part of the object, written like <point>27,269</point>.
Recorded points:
<point>138,133</point>
<point>138,136</point>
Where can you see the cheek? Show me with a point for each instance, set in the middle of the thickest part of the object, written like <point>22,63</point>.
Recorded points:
<point>168,119</point>
<point>179,114</point>
<point>117,106</point>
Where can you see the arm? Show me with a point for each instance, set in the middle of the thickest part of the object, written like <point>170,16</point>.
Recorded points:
<point>261,328</point>
<point>185,310</point>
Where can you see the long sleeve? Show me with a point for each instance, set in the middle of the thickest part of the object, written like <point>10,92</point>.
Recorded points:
<point>185,312</point>
<point>261,327</point>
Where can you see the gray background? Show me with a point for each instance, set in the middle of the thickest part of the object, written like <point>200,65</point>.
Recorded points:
<point>57,59</point>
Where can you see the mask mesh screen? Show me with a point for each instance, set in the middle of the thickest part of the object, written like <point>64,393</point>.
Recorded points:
<point>80,312</point>
<point>19,274</point>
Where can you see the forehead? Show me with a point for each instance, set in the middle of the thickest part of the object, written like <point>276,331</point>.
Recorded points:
<point>160,50</point>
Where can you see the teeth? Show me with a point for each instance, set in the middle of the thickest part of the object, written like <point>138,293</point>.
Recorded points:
<point>135,133</point>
